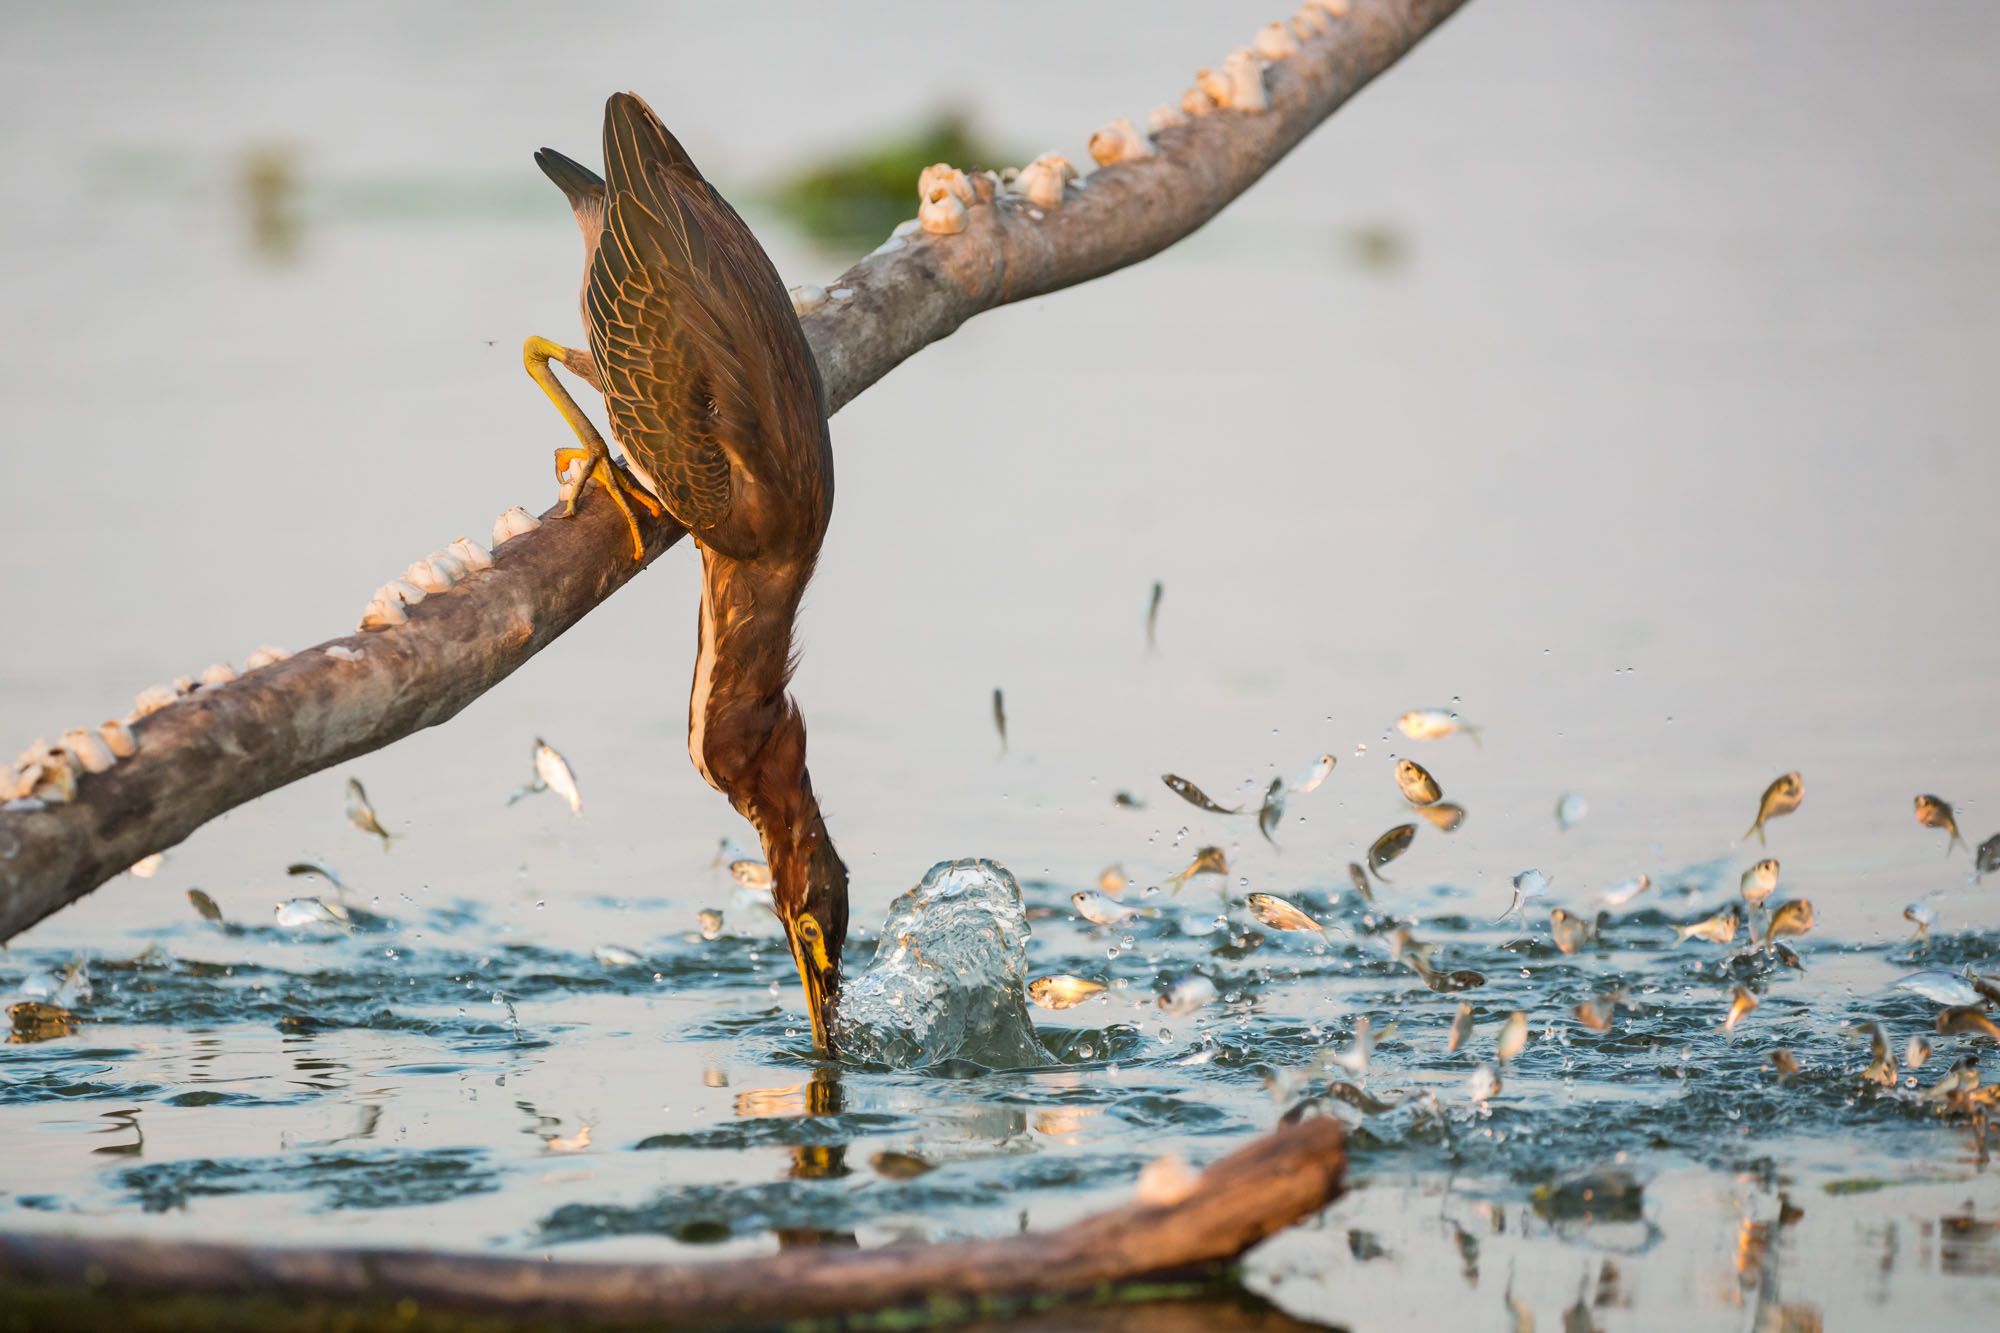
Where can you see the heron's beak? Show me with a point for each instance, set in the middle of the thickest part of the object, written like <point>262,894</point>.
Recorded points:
<point>821,977</point>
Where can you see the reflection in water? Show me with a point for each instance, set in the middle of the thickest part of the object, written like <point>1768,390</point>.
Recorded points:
<point>268,186</point>
<point>122,1121</point>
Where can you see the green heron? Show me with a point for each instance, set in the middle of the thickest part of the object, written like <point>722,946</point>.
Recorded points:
<point>713,395</point>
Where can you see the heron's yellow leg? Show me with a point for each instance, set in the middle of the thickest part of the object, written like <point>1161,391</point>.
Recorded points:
<point>594,455</point>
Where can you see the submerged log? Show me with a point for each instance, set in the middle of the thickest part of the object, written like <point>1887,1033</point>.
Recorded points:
<point>227,744</point>
<point>1238,1201</point>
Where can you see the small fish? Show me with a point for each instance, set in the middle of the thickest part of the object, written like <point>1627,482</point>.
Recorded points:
<point>1112,879</point>
<point>1094,906</point>
<point>1935,812</point>
<point>317,868</point>
<point>148,866</point>
<point>296,913</point>
<point>1153,616</point>
<point>1987,859</point>
<point>1513,1038</point>
<point>1963,1078</point>
<point>1416,783</point>
<point>1620,894</point>
<point>1390,846</point>
<point>1740,1006</point>
<point>1759,881</point>
<point>1444,816</point>
<point>1403,941</point>
<point>1429,724</point>
<point>1570,810</point>
<point>1313,774</point>
<point>1195,796</point>
<point>1784,1062</point>
<point>1597,1014</point>
<point>1483,1085</point>
<point>1000,717</point>
<point>1359,878</point>
<point>1780,798</point>
<point>576,1142</point>
<point>1718,929</point>
<point>1355,1058</point>
<point>362,815</point>
<point>710,921</point>
<point>1916,1051</point>
<point>1881,1065</point>
<point>1272,811</point>
<point>1571,932</point>
<point>1940,987</point>
<point>1190,993</point>
<point>611,955</point>
<point>1125,800</point>
<point>553,772</point>
<point>1794,916</point>
<point>900,1165</point>
<point>1062,991</point>
<point>1461,1029</point>
<point>1447,983</point>
<point>1207,861</point>
<point>1787,956</point>
<point>1528,885</point>
<point>205,905</point>
<point>1279,914</point>
<point>1966,1021</point>
<point>1923,918</point>
<point>752,875</point>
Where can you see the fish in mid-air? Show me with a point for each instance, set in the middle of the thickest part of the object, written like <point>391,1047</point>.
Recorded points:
<point>1597,1014</point>
<point>1881,1064</point>
<point>1279,914</point>
<point>1153,616</point>
<point>1062,991</point>
<point>1780,798</point>
<point>1940,987</point>
<point>205,905</point>
<point>1359,879</point>
<point>710,922</point>
<point>1272,811</point>
<point>1513,1038</point>
<point>1417,785</point>
<point>1461,1028</point>
<point>1718,929</point>
<point>1094,906</point>
<point>1125,800</point>
<point>1916,1051</point>
<point>1987,859</point>
<point>1740,1005</point>
<point>1313,774</point>
<point>1112,879</point>
<point>1190,993</point>
<point>1000,717</point>
<point>1483,1085</point>
<point>1570,931</point>
<point>1429,724</point>
<point>1195,796</point>
<point>753,875</point>
<point>362,815</point>
<point>1528,885</point>
<point>1620,894</point>
<point>1784,1062</point>
<point>1358,1053</point>
<point>1570,810</point>
<point>1967,1021</point>
<point>297,913</point>
<point>1444,816</point>
<point>1794,916</point>
<point>1759,881</point>
<point>1921,916</point>
<point>1207,861</point>
<point>1390,846</point>
<point>1935,812</point>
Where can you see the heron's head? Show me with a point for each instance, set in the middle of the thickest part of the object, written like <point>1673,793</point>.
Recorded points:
<point>809,890</point>
<point>583,188</point>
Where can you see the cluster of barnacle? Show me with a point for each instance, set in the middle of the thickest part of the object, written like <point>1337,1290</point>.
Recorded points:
<point>441,570</point>
<point>48,774</point>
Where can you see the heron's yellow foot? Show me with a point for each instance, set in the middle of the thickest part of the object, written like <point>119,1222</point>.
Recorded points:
<point>596,465</point>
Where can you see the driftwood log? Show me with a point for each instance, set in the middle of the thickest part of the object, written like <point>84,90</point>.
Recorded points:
<point>1238,1201</point>
<point>219,747</point>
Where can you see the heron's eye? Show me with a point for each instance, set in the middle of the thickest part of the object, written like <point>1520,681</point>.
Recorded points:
<point>809,928</point>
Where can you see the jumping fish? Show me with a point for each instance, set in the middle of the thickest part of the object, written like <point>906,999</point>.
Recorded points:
<point>1190,993</point>
<point>1094,906</point>
<point>1940,987</point>
<point>1759,881</point>
<point>1390,846</point>
<point>1794,916</point>
<point>1570,810</point>
<point>1359,879</point>
<point>1881,1064</point>
<point>1429,724</point>
<point>1967,1021</point>
<point>1000,718</point>
<point>1922,917</point>
<point>1780,798</point>
<point>1461,1028</point>
<point>1741,1003</point>
<point>1620,894</point>
<point>554,772</point>
<point>1314,774</point>
<point>1153,616</point>
<point>710,922</point>
<point>1483,1085</point>
<point>1570,931</point>
<point>1195,796</point>
<point>1417,785</point>
<point>1513,1038</point>
<point>1987,860</point>
<point>1112,879</point>
<point>1444,816</point>
<point>753,875</point>
<point>205,905</point>
<point>1935,812</point>
<point>1718,929</point>
<point>1916,1051</point>
<point>1528,885</point>
<point>1207,861</point>
<point>1279,914</point>
<point>1596,1014</point>
<point>612,955</point>
<point>1062,991</point>
<point>1272,810</point>
<point>296,913</point>
<point>362,815</point>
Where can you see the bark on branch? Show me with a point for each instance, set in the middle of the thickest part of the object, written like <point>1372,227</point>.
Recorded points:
<point>1237,1202</point>
<point>223,746</point>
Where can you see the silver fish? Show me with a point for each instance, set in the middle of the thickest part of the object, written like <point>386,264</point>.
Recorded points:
<point>317,868</point>
<point>1935,812</point>
<point>710,922</point>
<point>362,815</point>
<point>1062,991</point>
<point>1125,800</point>
<point>1190,993</point>
<point>1513,1038</point>
<point>1314,774</point>
<point>1359,878</point>
<point>612,955</point>
<point>1741,1003</point>
<point>298,913</point>
<point>1153,616</point>
<point>1759,881</point>
<point>1923,918</point>
<point>1195,796</point>
<point>1784,1062</point>
<point>1794,916</point>
<point>1358,1053</point>
<point>1429,724</point>
<point>205,905</point>
<point>1094,906</point>
<point>1780,798</point>
<point>1112,879</point>
<point>554,773</point>
<point>1528,885</point>
<point>1915,1052</point>
<point>1987,859</point>
<point>1390,846</point>
<point>1571,932</point>
<point>1207,861</point>
<point>1620,894</point>
<point>1483,1085</point>
<point>1444,816</point>
<point>1279,914</point>
<point>1416,783</point>
<point>753,875</point>
<point>1000,717</point>
<point>1461,1028</point>
<point>1881,1065</point>
<point>1597,1014</point>
<point>1940,987</point>
<point>1570,810</point>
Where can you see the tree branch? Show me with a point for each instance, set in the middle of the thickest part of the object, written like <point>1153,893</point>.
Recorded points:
<point>222,746</point>
<point>1240,1200</point>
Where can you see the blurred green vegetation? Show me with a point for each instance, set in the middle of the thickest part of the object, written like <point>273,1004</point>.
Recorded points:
<point>861,194</point>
